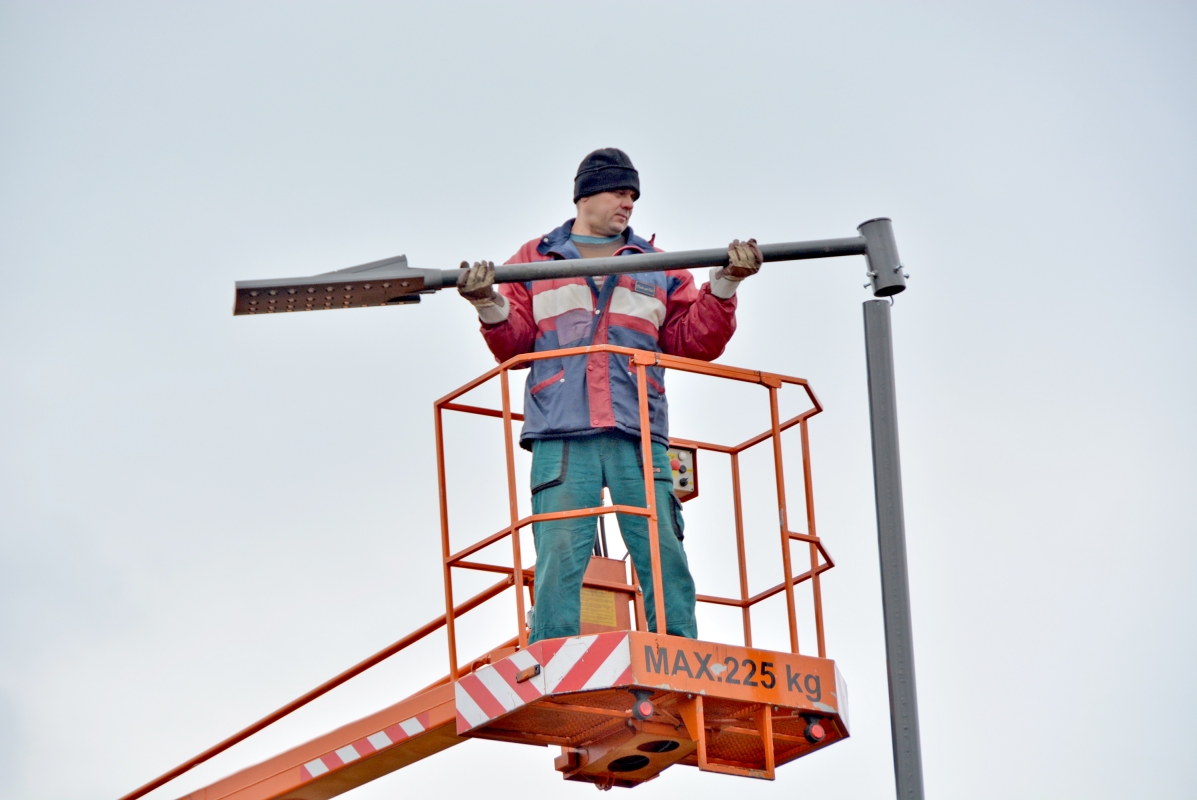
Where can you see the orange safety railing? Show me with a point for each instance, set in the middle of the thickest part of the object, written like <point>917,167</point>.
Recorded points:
<point>520,576</point>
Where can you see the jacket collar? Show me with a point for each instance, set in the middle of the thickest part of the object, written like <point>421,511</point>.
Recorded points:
<point>557,243</point>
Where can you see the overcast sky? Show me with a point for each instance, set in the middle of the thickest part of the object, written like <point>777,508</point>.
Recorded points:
<point>202,517</point>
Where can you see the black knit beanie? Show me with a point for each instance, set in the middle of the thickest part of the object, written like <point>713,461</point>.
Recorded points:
<point>605,171</point>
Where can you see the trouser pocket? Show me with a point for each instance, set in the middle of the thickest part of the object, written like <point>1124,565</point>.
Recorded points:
<point>550,463</point>
<point>675,509</point>
<point>661,468</point>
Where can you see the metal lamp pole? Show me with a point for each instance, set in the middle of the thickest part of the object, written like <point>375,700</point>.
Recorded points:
<point>884,266</point>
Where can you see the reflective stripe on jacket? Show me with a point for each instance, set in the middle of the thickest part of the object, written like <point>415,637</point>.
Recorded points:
<point>579,395</point>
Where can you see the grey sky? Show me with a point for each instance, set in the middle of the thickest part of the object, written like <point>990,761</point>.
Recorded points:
<point>202,517</point>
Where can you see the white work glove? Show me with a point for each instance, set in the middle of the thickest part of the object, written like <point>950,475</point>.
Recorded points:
<point>744,259</point>
<point>477,284</point>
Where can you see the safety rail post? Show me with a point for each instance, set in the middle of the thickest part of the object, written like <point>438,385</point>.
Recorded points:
<point>737,504</point>
<point>638,600</point>
<point>816,588</point>
<point>443,492</point>
<point>513,503</point>
<point>650,495</point>
<point>782,516</point>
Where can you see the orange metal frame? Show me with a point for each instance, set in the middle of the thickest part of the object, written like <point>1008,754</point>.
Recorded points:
<point>521,576</point>
<point>273,777</point>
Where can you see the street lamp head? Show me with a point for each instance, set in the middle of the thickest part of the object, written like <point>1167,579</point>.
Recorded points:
<point>379,283</point>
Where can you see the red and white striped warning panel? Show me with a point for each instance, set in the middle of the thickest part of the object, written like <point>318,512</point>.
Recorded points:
<point>566,665</point>
<point>365,747</point>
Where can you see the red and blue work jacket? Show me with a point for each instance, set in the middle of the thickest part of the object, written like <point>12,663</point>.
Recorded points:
<point>591,393</point>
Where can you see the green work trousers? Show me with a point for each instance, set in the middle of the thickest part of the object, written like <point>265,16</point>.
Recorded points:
<point>571,473</point>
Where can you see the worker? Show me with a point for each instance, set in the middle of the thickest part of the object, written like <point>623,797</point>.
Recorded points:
<point>581,413</point>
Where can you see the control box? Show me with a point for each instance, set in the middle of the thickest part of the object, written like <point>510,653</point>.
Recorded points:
<point>684,463</point>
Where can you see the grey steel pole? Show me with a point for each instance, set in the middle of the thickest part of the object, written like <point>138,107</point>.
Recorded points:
<point>392,282</point>
<point>891,540</point>
<point>651,262</point>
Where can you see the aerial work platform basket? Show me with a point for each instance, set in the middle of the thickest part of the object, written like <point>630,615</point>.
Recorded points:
<point>622,703</point>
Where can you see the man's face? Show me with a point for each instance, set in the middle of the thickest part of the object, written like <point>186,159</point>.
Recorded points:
<point>606,213</point>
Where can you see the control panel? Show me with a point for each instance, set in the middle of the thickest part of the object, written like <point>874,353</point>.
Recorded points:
<point>684,463</point>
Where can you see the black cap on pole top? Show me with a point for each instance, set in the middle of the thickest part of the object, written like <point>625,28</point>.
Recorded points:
<point>606,170</point>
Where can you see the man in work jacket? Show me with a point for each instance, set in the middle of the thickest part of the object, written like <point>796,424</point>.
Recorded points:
<point>582,413</point>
